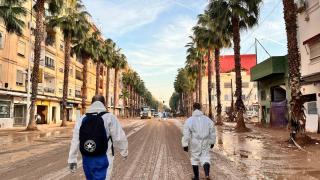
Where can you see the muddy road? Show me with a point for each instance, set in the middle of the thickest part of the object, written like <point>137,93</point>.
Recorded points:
<point>155,153</point>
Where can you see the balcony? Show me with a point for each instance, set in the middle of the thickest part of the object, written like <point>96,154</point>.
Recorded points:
<point>273,66</point>
<point>49,90</point>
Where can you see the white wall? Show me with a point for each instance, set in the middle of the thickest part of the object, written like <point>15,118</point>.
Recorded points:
<point>307,30</point>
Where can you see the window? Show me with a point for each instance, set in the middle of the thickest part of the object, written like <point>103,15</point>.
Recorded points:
<point>5,109</point>
<point>71,72</point>
<point>245,85</point>
<point>78,93</point>
<point>263,95</point>
<point>49,62</point>
<point>315,50</point>
<point>227,85</point>
<point>70,92</point>
<point>79,75</point>
<point>1,40</point>
<point>21,48</point>
<point>226,97</point>
<point>312,107</point>
<point>20,78</point>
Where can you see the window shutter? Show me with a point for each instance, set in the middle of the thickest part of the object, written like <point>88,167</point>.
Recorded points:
<point>19,78</point>
<point>315,49</point>
<point>21,48</point>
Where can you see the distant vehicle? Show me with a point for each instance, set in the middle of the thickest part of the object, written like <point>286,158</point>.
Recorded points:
<point>152,112</point>
<point>156,114</point>
<point>145,113</point>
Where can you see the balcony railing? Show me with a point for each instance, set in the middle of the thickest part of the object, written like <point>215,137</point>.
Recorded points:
<point>49,90</point>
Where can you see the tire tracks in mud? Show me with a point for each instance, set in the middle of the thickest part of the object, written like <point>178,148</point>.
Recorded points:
<point>158,155</point>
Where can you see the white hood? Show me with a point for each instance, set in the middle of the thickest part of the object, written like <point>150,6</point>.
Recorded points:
<point>96,107</point>
<point>197,113</point>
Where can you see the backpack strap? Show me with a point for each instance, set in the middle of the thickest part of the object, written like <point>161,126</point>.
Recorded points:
<point>112,148</point>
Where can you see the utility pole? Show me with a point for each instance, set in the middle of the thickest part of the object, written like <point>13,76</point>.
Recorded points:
<point>29,68</point>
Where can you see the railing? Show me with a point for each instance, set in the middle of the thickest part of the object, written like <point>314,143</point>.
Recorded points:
<point>49,90</point>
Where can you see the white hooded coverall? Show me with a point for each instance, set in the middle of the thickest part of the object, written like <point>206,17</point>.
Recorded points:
<point>112,126</point>
<point>198,135</point>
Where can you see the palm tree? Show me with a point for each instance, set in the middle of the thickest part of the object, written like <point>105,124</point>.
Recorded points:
<point>99,58</point>
<point>221,38</point>
<point>236,16</point>
<point>85,49</point>
<point>10,12</point>
<point>119,63</point>
<point>193,68</point>
<point>54,7</point>
<point>109,47</point>
<point>124,96</point>
<point>195,57</point>
<point>206,38</point>
<point>296,105</point>
<point>74,25</point>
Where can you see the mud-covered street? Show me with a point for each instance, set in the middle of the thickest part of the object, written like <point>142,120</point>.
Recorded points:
<point>155,153</point>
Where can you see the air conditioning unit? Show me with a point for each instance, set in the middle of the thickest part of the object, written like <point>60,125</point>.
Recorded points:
<point>301,5</point>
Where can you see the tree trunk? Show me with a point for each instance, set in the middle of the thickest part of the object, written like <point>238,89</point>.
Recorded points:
<point>115,88</point>
<point>240,109</point>
<point>210,83</point>
<point>84,84</point>
<point>197,90</point>
<point>200,82</point>
<point>66,80</point>
<point>294,62</point>
<point>97,78</point>
<point>131,102</point>
<point>181,102</point>
<point>107,87</point>
<point>217,68</point>
<point>37,55</point>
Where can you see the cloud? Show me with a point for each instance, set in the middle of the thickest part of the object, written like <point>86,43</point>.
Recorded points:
<point>121,16</point>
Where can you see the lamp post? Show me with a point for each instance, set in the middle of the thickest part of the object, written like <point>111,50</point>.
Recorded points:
<point>29,68</point>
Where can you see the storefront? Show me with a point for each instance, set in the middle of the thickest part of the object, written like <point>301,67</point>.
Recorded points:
<point>6,107</point>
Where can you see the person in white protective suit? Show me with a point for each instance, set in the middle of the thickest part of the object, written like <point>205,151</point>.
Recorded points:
<point>198,138</point>
<point>95,164</point>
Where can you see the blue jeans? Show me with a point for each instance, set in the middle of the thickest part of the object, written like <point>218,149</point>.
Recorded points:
<point>95,168</point>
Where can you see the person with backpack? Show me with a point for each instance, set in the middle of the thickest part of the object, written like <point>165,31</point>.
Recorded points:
<point>198,138</point>
<point>91,135</point>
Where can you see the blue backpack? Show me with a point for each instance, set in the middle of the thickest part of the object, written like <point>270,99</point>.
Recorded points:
<point>93,136</point>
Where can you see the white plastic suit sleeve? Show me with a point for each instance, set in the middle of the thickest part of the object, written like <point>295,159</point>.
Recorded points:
<point>212,135</point>
<point>118,136</point>
<point>186,134</point>
<point>73,153</point>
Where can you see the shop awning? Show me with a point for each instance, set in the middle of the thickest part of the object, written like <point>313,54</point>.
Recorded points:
<point>271,66</point>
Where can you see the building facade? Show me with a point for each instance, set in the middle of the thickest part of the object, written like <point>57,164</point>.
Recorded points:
<point>273,91</point>
<point>228,83</point>
<point>309,46</point>
<point>15,54</point>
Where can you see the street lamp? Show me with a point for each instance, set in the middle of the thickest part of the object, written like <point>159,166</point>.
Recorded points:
<point>29,68</point>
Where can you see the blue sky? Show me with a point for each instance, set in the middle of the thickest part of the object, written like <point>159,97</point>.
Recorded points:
<point>152,34</point>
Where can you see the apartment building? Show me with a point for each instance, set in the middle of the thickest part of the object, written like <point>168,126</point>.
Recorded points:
<point>228,83</point>
<point>16,52</point>
<point>309,45</point>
